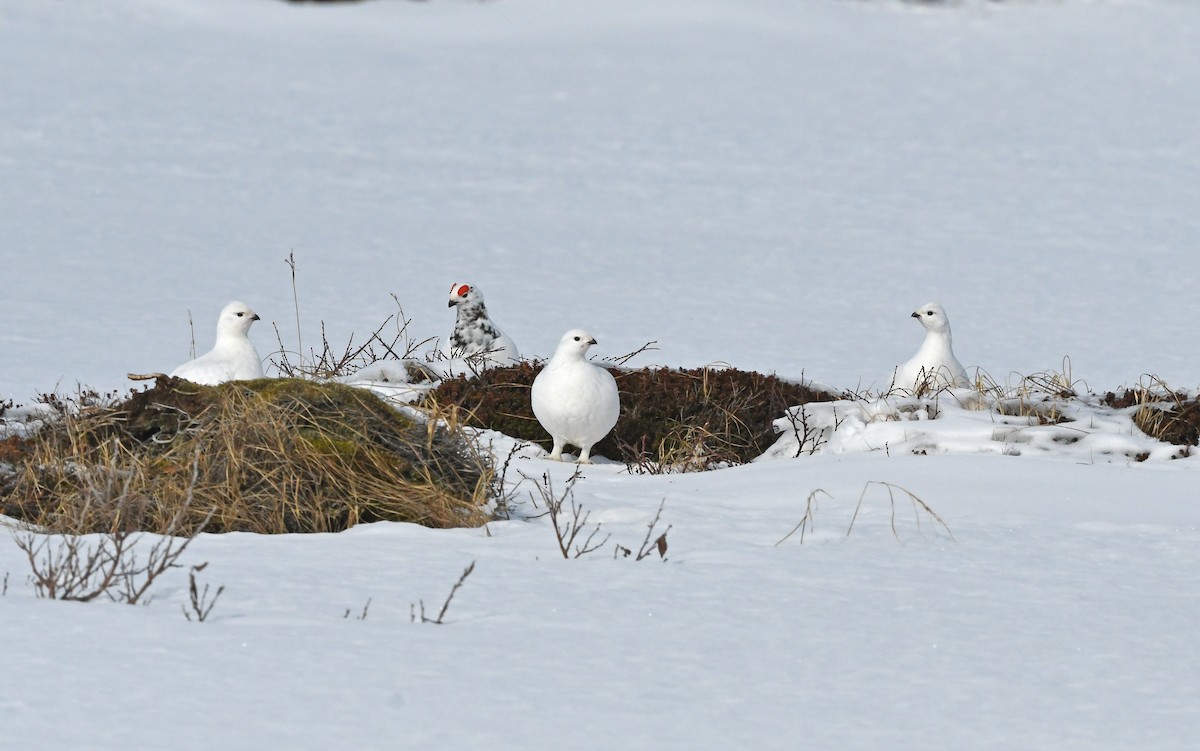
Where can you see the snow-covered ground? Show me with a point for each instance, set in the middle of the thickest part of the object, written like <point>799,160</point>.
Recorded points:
<point>770,183</point>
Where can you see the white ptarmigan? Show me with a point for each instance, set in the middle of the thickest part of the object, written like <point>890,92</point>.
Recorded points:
<point>233,357</point>
<point>574,400</point>
<point>934,366</point>
<point>475,335</point>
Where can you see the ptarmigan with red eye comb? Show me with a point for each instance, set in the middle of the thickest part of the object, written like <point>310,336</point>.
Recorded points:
<point>934,366</point>
<point>574,400</point>
<point>233,357</point>
<point>475,336</point>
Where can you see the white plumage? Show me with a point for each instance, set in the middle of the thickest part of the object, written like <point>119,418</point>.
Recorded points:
<point>574,400</point>
<point>934,366</point>
<point>475,335</point>
<point>233,357</point>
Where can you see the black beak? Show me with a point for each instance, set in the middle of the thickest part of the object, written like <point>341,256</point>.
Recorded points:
<point>591,341</point>
<point>255,317</point>
<point>451,305</point>
<point>916,315</point>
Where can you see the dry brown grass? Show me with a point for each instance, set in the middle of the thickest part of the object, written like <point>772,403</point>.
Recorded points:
<point>269,456</point>
<point>1162,412</point>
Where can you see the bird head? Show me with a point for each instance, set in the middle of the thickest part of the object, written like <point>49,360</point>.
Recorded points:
<point>236,318</point>
<point>932,317</point>
<point>574,343</point>
<point>464,295</point>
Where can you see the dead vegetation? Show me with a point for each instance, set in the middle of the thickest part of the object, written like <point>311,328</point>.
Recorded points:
<point>919,507</point>
<point>1161,412</point>
<point>268,456</point>
<point>570,521</point>
<point>440,619</point>
<point>389,341</point>
<point>671,420</point>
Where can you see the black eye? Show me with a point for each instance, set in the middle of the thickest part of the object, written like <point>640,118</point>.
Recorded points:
<point>240,315</point>
<point>576,338</point>
<point>929,312</point>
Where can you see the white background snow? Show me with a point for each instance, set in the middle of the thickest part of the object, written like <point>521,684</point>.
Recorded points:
<point>770,183</point>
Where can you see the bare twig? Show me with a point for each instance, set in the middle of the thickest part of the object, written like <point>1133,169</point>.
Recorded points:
<point>291,262</point>
<point>192,329</point>
<point>622,359</point>
<point>504,499</point>
<point>362,616</point>
<point>446,605</point>
<point>660,543</point>
<point>201,605</point>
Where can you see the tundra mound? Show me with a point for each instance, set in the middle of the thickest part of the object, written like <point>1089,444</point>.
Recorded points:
<point>266,456</point>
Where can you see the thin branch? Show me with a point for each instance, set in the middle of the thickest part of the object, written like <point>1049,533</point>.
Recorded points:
<point>446,605</point>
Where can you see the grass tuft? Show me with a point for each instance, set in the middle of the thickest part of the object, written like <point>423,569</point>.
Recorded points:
<point>268,456</point>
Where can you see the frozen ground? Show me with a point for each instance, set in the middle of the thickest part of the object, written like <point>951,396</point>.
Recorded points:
<point>771,183</point>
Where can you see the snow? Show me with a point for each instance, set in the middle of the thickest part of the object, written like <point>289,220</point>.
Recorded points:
<point>769,183</point>
<point>965,421</point>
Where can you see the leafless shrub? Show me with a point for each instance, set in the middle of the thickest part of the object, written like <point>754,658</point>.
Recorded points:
<point>620,360</point>
<point>339,361</point>
<point>413,614</point>
<point>333,361</point>
<point>198,598</point>
<point>570,522</point>
<point>567,517</point>
<point>809,438</point>
<point>68,566</point>
<point>658,545</point>
<point>502,498</point>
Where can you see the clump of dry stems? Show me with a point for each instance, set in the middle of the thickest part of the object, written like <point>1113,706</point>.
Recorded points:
<point>1161,412</point>
<point>269,456</point>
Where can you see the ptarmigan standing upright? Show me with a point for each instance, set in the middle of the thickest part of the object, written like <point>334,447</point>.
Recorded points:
<point>574,400</point>
<point>474,333</point>
<point>934,366</point>
<point>233,357</point>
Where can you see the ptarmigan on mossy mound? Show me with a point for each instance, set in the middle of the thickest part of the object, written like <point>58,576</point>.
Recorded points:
<point>233,357</point>
<point>574,400</point>
<point>475,334</point>
<point>934,366</point>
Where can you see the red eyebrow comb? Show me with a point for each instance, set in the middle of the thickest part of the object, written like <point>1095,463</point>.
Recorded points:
<point>463,290</point>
